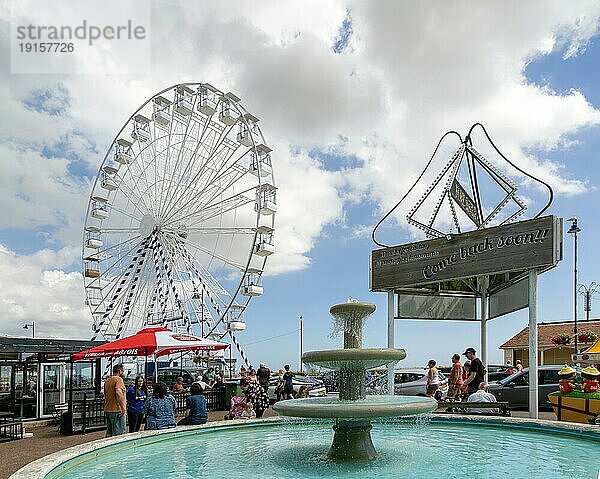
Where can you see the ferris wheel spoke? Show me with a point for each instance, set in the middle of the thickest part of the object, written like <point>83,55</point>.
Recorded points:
<point>214,212</point>
<point>189,194</point>
<point>121,230</point>
<point>213,139</point>
<point>220,257</point>
<point>112,248</point>
<point>214,288</point>
<point>205,212</point>
<point>138,169</point>
<point>213,190</point>
<point>124,213</point>
<point>170,192</point>
<point>134,181</point>
<point>211,287</point>
<point>221,231</point>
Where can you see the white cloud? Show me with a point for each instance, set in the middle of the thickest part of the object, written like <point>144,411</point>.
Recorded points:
<point>412,72</point>
<point>32,288</point>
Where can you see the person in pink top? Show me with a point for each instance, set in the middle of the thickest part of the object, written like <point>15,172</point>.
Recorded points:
<point>456,379</point>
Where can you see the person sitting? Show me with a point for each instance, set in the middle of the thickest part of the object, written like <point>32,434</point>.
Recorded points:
<point>178,387</point>
<point>302,392</point>
<point>482,395</point>
<point>218,383</point>
<point>196,403</point>
<point>248,412</point>
<point>160,409</point>
<point>204,385</point>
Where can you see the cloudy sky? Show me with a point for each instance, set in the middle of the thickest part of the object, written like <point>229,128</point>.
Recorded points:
<point>352,96</point>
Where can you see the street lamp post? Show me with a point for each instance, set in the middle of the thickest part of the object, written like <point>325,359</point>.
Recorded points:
<point>301,341</point>
<point>574,229</point>
<point>587,292</point>
<point>32,326</point>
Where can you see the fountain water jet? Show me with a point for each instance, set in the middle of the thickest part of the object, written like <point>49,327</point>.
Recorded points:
<point>353,410</point>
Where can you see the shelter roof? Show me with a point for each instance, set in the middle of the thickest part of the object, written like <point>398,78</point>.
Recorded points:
<point>19,344</point>
<point>547,330</point>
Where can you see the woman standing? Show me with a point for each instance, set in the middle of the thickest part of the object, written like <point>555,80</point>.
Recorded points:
<point>160,409</point>
<point>136,397</point>
<point>433,378</point>
<point>256,395</point>
<point>288,385</point>
<point>279,385</point>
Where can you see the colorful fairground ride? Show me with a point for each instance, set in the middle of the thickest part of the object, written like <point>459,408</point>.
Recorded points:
<point>579,397</point>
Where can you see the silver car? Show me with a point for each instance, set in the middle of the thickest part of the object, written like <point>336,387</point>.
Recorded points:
<point>407,382</point>
<point>316,388</point>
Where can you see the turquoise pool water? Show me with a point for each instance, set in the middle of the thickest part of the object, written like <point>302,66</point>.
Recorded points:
<point>408,450</point>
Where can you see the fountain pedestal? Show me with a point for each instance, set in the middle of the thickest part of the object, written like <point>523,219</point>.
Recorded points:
<point>352,441</point>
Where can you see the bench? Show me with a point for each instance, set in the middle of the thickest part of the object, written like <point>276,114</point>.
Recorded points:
<point>11,430</point>
<point>465,407</point>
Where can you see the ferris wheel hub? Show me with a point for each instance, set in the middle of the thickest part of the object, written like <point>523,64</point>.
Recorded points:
<point>148,225</point>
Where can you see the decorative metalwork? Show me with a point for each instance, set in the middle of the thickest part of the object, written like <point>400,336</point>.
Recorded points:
<point>454,203</point>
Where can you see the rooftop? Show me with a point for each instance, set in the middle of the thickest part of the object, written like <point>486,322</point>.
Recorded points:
<point>547,330</point>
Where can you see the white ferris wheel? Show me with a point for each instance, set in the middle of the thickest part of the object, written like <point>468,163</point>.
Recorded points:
<point>180,220</point>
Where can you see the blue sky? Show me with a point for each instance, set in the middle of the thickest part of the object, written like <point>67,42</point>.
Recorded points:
<point>353,98</point>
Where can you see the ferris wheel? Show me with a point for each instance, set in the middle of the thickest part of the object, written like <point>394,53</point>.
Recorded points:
<point>180,220</point>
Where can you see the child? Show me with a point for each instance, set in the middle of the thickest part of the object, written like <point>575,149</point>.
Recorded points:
<point>302,392</point>
<point>249,412</point>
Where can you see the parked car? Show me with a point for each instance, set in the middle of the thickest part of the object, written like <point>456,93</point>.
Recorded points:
<point>497,372</point>
<point>407,382</point>
<point>315,386</point>
<point>515,388</point>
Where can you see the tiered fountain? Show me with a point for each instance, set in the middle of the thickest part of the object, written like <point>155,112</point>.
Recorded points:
<point>353,410</point>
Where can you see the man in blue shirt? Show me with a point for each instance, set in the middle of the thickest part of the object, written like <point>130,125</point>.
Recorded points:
<point>196,403</point>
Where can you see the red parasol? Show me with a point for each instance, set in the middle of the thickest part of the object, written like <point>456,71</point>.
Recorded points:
<point>157,341</point>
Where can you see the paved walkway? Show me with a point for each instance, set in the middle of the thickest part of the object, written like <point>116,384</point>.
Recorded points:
<point>46,440</point>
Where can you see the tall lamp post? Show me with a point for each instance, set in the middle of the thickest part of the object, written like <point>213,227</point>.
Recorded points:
<point>587,292</point>
<point>32,326</point>
<point>301,341</point>
<point>574,229</point>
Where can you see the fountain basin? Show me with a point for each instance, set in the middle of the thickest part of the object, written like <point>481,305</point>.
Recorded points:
<point>371,407</point>
<point>353,359</point>
<point>407,449</point>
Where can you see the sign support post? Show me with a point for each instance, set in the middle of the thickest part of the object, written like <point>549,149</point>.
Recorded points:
<point>390,341</point>
<point>483,288</point>
<point>533,345</point>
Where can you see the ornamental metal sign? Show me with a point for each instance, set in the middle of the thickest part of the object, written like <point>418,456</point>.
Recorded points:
<point>535,243</point>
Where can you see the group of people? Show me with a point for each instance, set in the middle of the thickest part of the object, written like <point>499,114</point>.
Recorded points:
<point>467,382</point>
<point>255,386</point>
<point>134,405</point>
